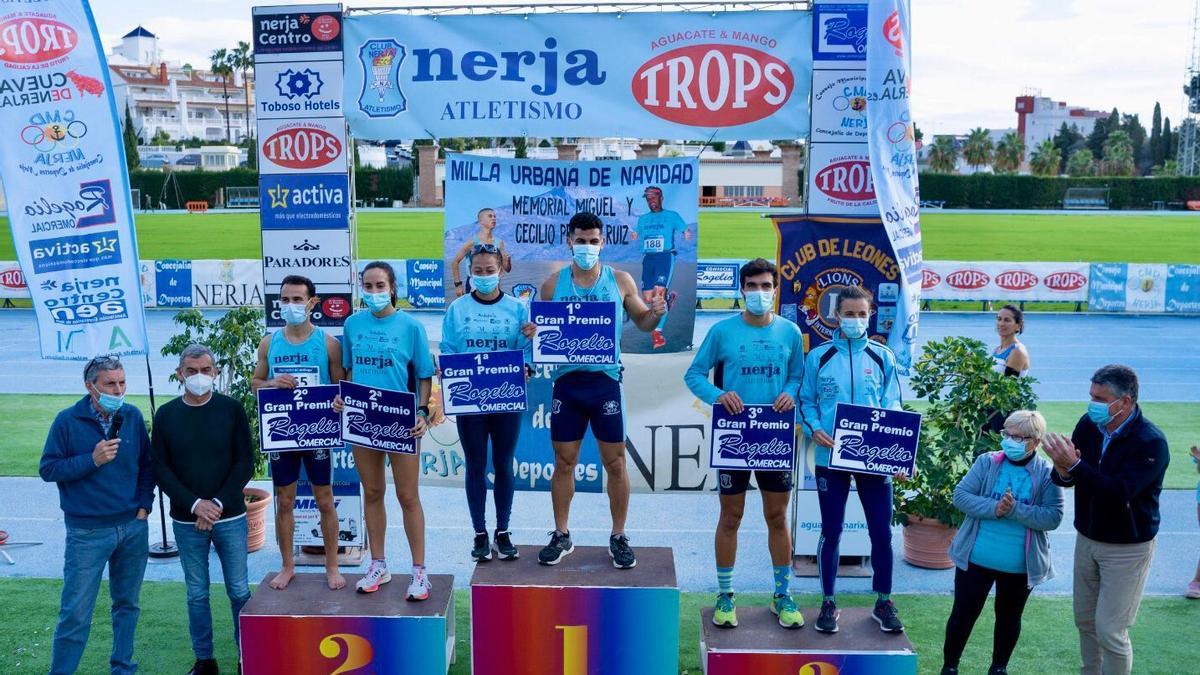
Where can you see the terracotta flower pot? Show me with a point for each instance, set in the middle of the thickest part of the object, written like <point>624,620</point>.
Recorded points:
<point>927,543</point>
<point>257,501</point>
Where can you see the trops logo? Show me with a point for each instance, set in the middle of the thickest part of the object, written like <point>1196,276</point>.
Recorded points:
<point>714,85</point>
<point>1065,281</point>
<point>303,146</point>
<point>967,279</point>
<point>34,40</point>
<point>12,279</point>
<point>1016,280</point>
<point>929,279</point>
<point>848,180</point>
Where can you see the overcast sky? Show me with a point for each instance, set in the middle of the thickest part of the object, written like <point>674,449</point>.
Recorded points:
<point>971,57</point>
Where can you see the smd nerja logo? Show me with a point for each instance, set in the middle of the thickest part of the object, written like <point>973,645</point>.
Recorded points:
<point>30,41</point>
<point>713,85</point>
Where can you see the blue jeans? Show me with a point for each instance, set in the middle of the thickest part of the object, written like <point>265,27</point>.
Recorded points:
<point>124,549</point>
<point>875,493</point>
<point>229,539</point>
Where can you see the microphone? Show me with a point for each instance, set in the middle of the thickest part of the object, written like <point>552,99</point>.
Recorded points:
<point>115,428</point>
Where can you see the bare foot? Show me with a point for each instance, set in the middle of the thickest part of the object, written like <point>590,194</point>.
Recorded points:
<point>335,580</point>
<point>281,580</point>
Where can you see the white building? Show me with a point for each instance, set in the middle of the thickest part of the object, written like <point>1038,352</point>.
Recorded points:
<point>1039,119</point>
<point>182,102</point>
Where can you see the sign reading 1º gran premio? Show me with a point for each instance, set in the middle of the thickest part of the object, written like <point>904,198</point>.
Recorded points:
<point>298,419</point>
<point>574,332</point>
<point>758,438</point>
<point>379,419</point>
<point>874,440</point>
<point>486,382</point>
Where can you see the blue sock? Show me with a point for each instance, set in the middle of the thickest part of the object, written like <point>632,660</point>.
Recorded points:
<point>725,580</point>
<point>783,576</point>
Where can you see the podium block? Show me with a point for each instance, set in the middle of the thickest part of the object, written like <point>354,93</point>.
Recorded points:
<point>307,629</point>
<point>580,617</point>
<point>761,646</point>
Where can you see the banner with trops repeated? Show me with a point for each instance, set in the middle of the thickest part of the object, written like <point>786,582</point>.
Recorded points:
<point>653,74</point>
<point>65,182</point>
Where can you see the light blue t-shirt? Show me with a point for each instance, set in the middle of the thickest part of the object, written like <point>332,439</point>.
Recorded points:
<point>1000,544</point>
<point>472,325</point>
<point>308,361</point>
<point>604,290</point>
<point>386,352</point>
<point>656,230</point>
<point>759,363</point>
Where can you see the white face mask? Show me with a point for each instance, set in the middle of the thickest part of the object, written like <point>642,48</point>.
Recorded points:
<point>198,384</point>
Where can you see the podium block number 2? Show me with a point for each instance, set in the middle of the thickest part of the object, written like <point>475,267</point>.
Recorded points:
<point>575,649</point>
<point>357,652</point>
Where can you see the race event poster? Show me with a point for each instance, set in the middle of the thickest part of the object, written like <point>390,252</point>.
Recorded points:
<point>298,419</point>
<point>756,439</point>
<point>378,419</point>
<point>574,332</point>
<point>485,382</point>
<point>874,440</point>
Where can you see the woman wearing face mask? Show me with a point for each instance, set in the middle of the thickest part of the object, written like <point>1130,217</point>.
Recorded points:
<point>1010,504</point>
<point>488,320</point>
<point>389,349</point>
<point>850,368</point>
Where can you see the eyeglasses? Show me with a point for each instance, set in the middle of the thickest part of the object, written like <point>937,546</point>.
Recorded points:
<point>1023,439</point>
<point>485,248</point>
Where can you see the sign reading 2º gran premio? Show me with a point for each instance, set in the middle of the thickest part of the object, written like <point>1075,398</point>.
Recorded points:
<point>298,419</point>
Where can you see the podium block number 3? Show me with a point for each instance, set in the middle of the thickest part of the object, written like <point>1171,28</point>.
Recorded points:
<point>575,650</point>
<point>355,651</point>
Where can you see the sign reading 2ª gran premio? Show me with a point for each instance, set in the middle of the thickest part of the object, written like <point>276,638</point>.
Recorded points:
<point>379,419</point>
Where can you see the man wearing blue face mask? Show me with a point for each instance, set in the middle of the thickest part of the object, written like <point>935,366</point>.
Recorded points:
<point>1115,459</point>
<point>301,355</point>
<point>850,368</point>
<point>98,453</point>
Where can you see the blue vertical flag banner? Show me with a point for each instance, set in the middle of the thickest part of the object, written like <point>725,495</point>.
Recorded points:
<point>299,419</point>
<point>574,332</point>
<point>818,257</point>
<point>874,440</point>
<point>756,439</point>
<point>379,419</point>
<point>653,75</point>
<point>892,144</point>
<point>65,182</point>
<point>485,382</point>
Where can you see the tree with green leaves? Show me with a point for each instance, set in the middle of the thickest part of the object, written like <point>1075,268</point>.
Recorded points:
<point>520,147</point>
<point>220,64</point>
<point>1169,140</point>
<point>1081,163</point>
<point>1045,159</point>
<point>1010,153</point>
<point>1068,140</point>
<point>1168,169</point>
<point>1132,126</point>
<point>129,138</point>
<point>1100,132</point>
<point>242,60</point>
<point>943,156</point>
<point>978,148</point>
<point>1156,149</point>
<point>1118,155</point>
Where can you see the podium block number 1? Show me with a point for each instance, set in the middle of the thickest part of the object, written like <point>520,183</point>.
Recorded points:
<point>575,649</point>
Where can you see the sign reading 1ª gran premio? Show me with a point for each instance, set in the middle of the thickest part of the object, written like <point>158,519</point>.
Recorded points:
<point>480,383</point>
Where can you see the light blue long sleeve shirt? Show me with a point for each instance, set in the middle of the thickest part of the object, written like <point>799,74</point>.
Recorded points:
<point>759,363</point>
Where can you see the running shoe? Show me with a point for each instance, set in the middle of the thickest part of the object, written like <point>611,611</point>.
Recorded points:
<point>482,550</point>
<point>827,620</point>
<point>789,614</point>
<point>885,615</point>
<point>505,549</point>
<point>657,338</point>
<point>947,670</point>
<point>621,553</point>
<point>725,613</point>
<point>418,588</point>
<point>671,298</point>
<point>560,546</point>
<point>376,576</point>
<point>1193,590</point>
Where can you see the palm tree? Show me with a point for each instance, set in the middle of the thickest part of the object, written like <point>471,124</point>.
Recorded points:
<point>242,59</point>
<point>943,156</point>
<point>1045,159</point>
<point>1010,153</point>
<point>978,148</point>
<point>1118,155</point>
<point>221,65</point>
<point>1081,163</point>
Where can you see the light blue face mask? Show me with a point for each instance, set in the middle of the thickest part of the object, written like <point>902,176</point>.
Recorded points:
<point>293,314</point>
<point>585,255</point>
<point>485,284</point>
<point>760,302</point>
<point>109,403</point>
<point>377,301</point>
<point>854,328</point>
<point>1013,449</point>
<point>1098,412</point>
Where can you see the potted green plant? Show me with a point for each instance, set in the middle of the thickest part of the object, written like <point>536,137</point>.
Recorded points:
<point>956,377</point>
<point>233,339</point>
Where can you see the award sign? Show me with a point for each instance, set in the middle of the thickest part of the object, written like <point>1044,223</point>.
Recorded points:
<point>574,332</point>
<point>874,440</point>
<point>757,439</point>
<point>298,419</point>
<point>378,419</point>
<point>484,382</point>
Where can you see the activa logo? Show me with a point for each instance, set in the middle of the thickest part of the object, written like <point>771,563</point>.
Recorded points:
<point>967,280</point>
<point>302,147</point>
<point>1065,281</point>
<point>848,180</point>
<point>77,252</point>
<point>713,85</point>
<point>929,279</point>
<point>28,41</point>
<point>313,195</point>
<point>1016,280</point>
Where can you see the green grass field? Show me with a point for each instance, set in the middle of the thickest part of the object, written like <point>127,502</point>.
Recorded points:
<point>1048,641</point>
<point>30,415</point>
<point>724,234</point>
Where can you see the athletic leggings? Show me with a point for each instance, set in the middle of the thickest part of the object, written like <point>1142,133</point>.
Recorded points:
<point>875,493</point>
<point>474,431</point>
<point>971,587</point>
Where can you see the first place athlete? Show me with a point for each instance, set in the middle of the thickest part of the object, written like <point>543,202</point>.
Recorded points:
<point>591,394</point>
